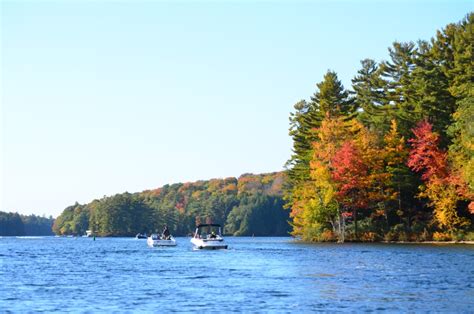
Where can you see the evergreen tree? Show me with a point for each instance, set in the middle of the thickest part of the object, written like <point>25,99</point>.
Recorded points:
<point>453,52</point>
<point>330,100</point>
<point>431,99</point>
<point>398,73</point>
<point>370,95</point>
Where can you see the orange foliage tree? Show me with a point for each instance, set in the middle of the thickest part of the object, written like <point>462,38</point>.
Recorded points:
<point>348,172</point>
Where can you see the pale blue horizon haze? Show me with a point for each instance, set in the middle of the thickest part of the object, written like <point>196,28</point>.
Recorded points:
<point>103,97</point>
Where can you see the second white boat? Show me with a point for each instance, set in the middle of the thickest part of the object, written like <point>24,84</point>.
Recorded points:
<point>155,240</point>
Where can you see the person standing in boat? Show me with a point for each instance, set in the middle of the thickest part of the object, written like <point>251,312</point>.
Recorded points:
<point>166,233</point>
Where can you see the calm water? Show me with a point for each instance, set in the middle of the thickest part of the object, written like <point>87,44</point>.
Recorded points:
<point>256,274</point>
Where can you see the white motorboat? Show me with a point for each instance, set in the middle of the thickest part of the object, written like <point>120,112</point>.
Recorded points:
<point>156,240</point>
<point>88,234</point>
<point>208,237</point>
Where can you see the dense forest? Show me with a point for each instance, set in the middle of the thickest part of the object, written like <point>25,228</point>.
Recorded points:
<point>249,205</point>
<point>14,224</point>
<point>393,157</point>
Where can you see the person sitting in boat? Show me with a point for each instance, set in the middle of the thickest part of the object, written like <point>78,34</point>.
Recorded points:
<point>213,235</point>
<point>166,233</point>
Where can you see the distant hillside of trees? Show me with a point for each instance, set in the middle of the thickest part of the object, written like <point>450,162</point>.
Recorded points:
<point>14,224</point>
<point>248,205</point>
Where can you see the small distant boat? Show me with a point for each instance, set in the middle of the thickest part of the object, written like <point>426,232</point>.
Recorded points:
<point>140,236</point>
<point>156,240</point>
<point>88,234</point>
<point>208,237</point>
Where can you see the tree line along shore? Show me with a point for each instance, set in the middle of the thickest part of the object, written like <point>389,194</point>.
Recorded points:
<point>14,224</point>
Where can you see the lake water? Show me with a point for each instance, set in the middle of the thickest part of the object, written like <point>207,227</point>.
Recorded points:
<point>255,274</point>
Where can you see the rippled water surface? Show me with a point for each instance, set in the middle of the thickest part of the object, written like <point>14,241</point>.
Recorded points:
<point>255,274</point>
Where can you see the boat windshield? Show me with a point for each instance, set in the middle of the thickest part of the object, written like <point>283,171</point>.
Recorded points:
<point>209,232</point>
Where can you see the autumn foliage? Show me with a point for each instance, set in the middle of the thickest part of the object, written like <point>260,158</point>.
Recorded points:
<point>396,151</point>
<point>425,155</point>
<point>443,188</point>
<point>349,173</point>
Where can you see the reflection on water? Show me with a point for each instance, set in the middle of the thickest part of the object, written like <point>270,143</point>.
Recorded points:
<point>255,274</point>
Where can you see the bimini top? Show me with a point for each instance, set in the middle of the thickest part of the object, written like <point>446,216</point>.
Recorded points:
<point>208,225</point>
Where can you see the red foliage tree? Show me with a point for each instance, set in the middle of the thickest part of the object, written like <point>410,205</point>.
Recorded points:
<point>425,156</point>
<point>349,172</point>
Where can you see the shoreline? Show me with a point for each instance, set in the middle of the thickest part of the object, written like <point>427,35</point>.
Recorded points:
<point>294,239</point>
<point>386,242</point>
<point>429,242</point>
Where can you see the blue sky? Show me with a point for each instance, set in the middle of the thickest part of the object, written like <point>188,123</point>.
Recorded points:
<point>103,97</point>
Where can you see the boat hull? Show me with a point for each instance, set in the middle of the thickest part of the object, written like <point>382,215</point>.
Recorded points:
<point>208,244</point>
<point>156,242</point>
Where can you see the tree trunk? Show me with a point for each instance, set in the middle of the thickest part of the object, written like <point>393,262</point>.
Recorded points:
<point>340,236</point>
<point>343,229</point>
<point>354,216</point>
